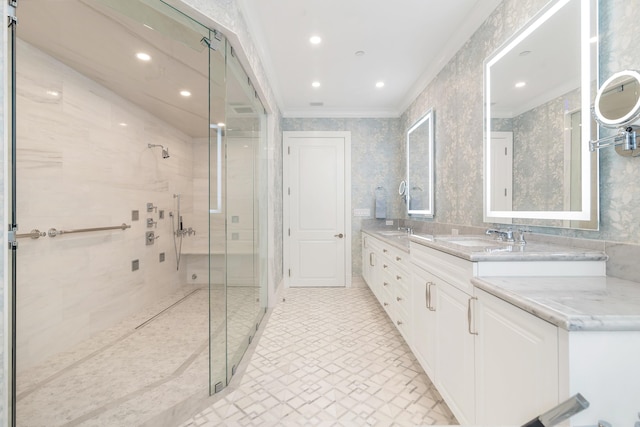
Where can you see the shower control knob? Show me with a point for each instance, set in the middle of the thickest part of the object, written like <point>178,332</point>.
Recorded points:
<point>151,223</point>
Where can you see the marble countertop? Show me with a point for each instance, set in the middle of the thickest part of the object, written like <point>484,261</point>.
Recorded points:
<point>489,249</point>
<point>397,239</point>
<point>572,303</point>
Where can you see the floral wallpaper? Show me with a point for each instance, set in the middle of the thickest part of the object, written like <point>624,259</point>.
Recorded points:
<point>376,161</point>
<point>456,95</point>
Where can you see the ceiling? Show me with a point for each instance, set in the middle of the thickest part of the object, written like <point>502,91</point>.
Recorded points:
<point>405,44</point>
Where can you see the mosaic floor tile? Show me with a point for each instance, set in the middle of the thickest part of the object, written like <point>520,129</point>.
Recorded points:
<point>330,357</point>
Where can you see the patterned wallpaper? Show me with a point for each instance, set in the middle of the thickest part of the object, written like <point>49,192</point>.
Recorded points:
<point>376,161</point>
<point>456,95</point>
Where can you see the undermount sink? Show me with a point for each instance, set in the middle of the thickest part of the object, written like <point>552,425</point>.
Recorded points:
<point>470,241</point>
<point>393,233</point>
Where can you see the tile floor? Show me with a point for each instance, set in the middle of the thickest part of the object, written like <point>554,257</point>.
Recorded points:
<point>141,371</point>
<point>328,357</point>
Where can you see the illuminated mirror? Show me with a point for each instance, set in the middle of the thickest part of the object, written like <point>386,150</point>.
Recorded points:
<point>538,124</point>
<point>419,184</point>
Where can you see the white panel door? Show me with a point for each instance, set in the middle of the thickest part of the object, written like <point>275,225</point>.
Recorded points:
<point>317,232</point>
<point>502,171</point>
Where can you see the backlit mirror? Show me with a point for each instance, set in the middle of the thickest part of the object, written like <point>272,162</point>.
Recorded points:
<point>419,184</point>
<point>538,123</point>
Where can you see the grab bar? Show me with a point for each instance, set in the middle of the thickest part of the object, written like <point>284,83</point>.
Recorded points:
<point>53,232</point>
<point>34,234</point>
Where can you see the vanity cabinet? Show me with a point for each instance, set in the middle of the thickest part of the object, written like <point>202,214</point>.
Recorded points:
<point>389,279</point>
<point>443,336</point>
<point>492,362</point>
<point>516,362</point>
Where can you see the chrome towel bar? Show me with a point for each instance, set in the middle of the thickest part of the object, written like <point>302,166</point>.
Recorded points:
<point>53,232</point>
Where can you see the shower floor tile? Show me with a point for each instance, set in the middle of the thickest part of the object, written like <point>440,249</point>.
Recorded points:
<point>138,371</point>
<point>328,357</point>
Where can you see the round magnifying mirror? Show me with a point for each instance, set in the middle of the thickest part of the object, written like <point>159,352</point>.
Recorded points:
<point>618,100</point>
<point>402,188</point>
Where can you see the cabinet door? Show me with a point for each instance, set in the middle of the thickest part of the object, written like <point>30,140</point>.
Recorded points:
<point>423,319</point>
<point>455,373</point>
<point>367,260</point>
<point>516,363</point>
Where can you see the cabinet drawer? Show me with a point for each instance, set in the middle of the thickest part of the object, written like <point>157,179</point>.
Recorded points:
<point>457,271</point>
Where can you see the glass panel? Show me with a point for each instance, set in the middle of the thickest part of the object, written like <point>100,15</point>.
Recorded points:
<point>240,194</point>
<point>217,224</point>
<point>11,201</point>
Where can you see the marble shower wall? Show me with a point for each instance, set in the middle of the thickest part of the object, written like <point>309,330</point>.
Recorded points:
<point>376,161</point>
<point>78,167</point>
<point>226,16</point>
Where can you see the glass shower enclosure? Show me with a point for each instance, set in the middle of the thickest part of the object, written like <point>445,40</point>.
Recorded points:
<point>203,197</point>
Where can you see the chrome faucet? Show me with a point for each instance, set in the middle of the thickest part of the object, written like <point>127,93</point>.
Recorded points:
<point>503,235</point>
<point>409,230</point>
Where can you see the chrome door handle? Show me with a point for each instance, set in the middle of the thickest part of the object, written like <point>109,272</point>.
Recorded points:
<point>340,236</point>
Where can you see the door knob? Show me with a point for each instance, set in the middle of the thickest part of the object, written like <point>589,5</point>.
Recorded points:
<point>339,235</point>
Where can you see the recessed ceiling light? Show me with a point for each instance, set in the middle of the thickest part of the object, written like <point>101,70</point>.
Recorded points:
<point>53,93</point>
<point>185,93</point>
<point>143,56</point>
<point>315,40</point>
<point>379,84</point>
<point>123,124</point>
<point>360,53</point>
<point>315,84</point>
<point>220,125</point>
<point>521,84</point>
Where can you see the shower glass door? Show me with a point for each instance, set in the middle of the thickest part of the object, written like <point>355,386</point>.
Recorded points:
<point>216,178</point>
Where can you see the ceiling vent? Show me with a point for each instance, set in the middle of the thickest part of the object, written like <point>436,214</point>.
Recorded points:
<point>242,109</point>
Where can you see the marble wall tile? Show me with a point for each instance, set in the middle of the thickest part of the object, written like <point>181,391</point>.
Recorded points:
<point>78,167</point>
<point>226,16</point>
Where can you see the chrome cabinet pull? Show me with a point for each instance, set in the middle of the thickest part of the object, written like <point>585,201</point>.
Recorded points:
<point>371,259</point>
<point>398,299</point>
<point>340,236</point>
<point>398,277</point>
<point>399,322</point>
<point>385,251</point>
<point>385,304</point>
<point>385,266</point>
<point>385,284</point>
<point>428,292</point>
<point>398,258</point>
<point>426,295</point>
<point>469,315</point>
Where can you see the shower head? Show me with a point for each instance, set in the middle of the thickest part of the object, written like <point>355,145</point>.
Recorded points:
<point>165,151</point>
